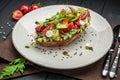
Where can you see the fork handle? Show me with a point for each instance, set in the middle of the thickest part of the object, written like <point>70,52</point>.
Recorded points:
<point>106,64</point>
<point>114,66</point>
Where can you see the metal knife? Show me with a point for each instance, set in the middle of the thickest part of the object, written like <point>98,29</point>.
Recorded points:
<point>114,67</point>
<point>106,65</point>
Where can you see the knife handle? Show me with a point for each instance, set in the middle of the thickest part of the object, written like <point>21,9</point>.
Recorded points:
<point>106,64</point>
<point>114,66</point>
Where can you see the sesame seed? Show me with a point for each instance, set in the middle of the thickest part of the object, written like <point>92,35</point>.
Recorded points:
<point>59,48</point>
<point>75,53</point>
<point>75,43</point>
<point>80,54</point>
<point>67,57</point>
<point>3,32</point>
<point>48,53</point>
<point>56,52</point>
<point>36,47</point>
<point>1,27</point>
<point>8,23</point>
<point>90,40</point>
<point>39,48</point>
<point>92,34</point>
<point>80,46</point>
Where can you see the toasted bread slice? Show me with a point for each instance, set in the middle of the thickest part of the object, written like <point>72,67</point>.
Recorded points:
<point>58,43</point>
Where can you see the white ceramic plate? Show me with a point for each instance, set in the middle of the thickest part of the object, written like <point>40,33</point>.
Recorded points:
<point>98,35</point>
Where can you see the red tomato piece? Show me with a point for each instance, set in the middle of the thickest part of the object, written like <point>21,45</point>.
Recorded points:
<point>65,30</point>
<point>45,30</point>
<point>39,29</point>
<point>84,15</point>
<point>77,24</point>
<point>70,27</point>
<point>49,27</point>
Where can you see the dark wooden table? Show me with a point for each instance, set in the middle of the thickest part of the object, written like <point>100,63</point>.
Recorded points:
<point>110,9</point>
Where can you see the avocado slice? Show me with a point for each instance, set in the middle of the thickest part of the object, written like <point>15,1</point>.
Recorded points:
<point>61,26</point>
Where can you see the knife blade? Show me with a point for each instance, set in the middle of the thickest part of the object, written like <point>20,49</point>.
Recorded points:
<point>114,67</point>
<point>106,64</point>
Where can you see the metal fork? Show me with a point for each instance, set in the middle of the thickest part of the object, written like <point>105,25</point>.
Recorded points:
<point>115,63</point>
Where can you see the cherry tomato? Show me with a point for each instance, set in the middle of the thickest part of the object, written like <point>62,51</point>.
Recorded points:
<point>49,27</point>
<point>25,9</point>
<point>17,14</point>
<point>84,15</point>
<point>77,24</point>
<point>39,29</point>
<point>35,6</point>
<point>70,27</point>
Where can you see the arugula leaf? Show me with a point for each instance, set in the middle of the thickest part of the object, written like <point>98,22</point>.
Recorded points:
<point>17,65</point>
<point>46,22</point>
<point>57,18</point>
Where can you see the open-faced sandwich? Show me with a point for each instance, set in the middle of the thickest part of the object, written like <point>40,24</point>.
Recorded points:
<point>63,27</point>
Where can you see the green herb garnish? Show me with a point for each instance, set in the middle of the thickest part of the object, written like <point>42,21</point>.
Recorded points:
<point>66,53</point>
<point>36,22</point>
<point>89,48</point>
<point>17,65</point>
<point>33,44</point>
<point>27,46</point>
